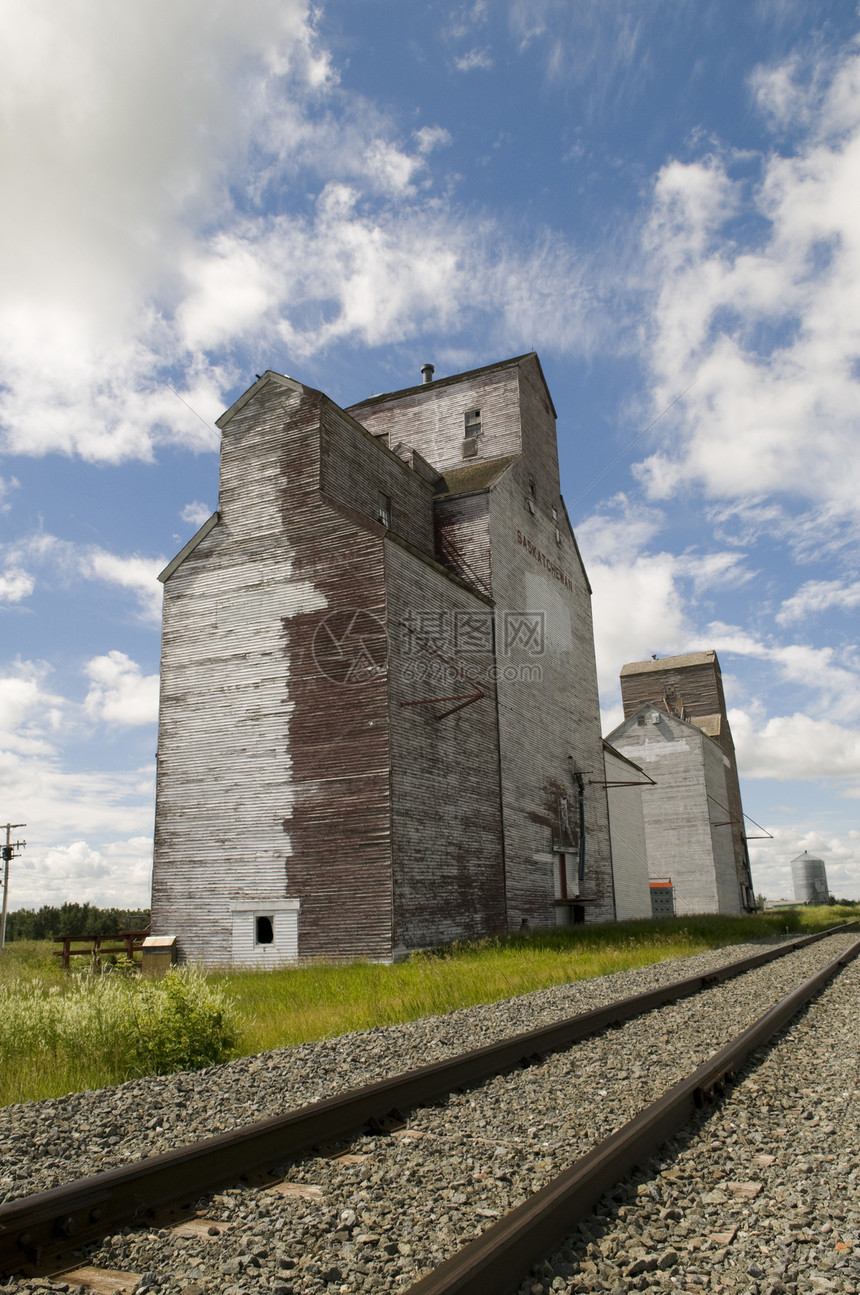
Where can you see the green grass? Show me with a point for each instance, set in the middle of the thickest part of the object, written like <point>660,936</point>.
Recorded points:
<point>66,1032</point>
<point>300,1004</point>
<point>63,1032</point>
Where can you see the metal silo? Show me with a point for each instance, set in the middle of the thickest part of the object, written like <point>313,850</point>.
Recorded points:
<point>810,879</point>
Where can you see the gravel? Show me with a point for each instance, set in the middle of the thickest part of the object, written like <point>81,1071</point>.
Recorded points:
<point>392,1207</point>
<point>760,1196</point>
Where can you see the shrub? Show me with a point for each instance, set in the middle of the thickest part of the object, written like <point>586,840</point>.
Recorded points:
<point>182,1023</point>
<point>106,1028</point>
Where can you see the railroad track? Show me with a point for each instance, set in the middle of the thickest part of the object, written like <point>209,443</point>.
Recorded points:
<point>48,1232</point>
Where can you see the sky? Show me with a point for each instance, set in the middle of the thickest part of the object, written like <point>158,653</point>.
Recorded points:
<point>660,198</point>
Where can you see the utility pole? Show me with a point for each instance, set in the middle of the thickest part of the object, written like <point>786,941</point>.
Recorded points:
<point>8,853</point>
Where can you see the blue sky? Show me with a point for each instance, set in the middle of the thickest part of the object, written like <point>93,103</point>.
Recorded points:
<point>661,199</point>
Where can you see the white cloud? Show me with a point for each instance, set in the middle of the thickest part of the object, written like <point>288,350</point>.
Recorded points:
<point>646,602</point>
<point>196,513</point>
<point>134,573</point>
<point>817,596</point>
<point>462,22</point>
<point>475,58</point>
<point>63,806</point>
<point>352,272</point>
<point>796,747</point>
<point>771,861</point>
<point>32,715</point>
<point>119,693</point>
<point>430,137</point>
<point>102,204</point>
<point>7,485</point>
<point>766,330</point>
<point>15,585</point>
<point>178,232</point>
<point>115,876</point>
<point>638,610</point>
<point>61,560</point>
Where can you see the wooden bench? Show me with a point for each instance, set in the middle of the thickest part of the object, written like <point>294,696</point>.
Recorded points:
<point>127,942</point>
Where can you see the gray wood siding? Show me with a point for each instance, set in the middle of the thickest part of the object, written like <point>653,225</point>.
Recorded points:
<point>694,680</point>
<point>356,469</point>
<point>447,846</point>
<point>629,847</point>
<point>431,419</point>
<point>681,837</point>
<point>463,538</point>
<point>546,718</point>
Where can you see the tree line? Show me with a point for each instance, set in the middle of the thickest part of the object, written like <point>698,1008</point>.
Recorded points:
<point>73,919</point>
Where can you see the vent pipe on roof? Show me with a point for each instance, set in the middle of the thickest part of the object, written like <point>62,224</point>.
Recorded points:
<point>427,371</point>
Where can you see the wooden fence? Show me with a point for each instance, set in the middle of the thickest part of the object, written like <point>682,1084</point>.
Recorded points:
<point>127,942</point>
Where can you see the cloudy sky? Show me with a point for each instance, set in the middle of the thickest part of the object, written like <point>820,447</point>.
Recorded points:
<point>659,197</point>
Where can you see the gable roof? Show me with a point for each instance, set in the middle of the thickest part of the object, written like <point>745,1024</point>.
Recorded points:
<point>263,381</point>
<point>207,526</point>
<point>428,387</point>
<point>631,723</point>
<point>670,662</point>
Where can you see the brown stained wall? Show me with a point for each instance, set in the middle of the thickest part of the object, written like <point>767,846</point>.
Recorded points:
<point>431,419</point>
<point>273,779</point>
<point>543,721</point>
<point>224,746</point>
<point>699,685</point>
<point>339,821</point>
<point>447,845</point>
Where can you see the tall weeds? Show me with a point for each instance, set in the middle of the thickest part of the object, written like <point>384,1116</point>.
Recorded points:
<point>92,1029</point>
<point>62,1032</point>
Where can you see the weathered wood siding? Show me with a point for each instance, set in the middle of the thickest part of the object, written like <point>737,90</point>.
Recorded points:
<point>273,777</point>
<point>514,541</point>
<point>296,781</point>
<point>627,834</point>
<point>357,469</point>
<point>463,538</point>
<point>447,844</point>
<point>431,419</point>
<point>549,718</point>
<point>695,681</point>
<point>681,812</point>
<point>717,769</point>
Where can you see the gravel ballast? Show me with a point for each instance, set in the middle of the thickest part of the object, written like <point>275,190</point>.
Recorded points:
<point>395,1206</point>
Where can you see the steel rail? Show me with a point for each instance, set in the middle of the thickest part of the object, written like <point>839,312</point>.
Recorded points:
<point>40,1233</point>
<point>501,1258</point>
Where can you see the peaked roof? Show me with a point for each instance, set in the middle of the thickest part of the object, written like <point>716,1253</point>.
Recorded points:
<point>263,381</point>
<point>632,722</point>
<point>426,388</point>
<point>708,657</point>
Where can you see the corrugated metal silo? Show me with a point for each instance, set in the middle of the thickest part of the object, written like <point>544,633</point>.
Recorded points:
<point>810,879</point>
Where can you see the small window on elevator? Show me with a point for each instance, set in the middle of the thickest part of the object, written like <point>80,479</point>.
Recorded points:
<point>265,930</point>
<point>383,514</point>
<point>472,420</point>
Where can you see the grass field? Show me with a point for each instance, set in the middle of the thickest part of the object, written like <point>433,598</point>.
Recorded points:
<point>60,1035</point>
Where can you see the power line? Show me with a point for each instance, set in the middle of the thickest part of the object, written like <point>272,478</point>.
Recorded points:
<point>635,441</point>
<point>8,853</point>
